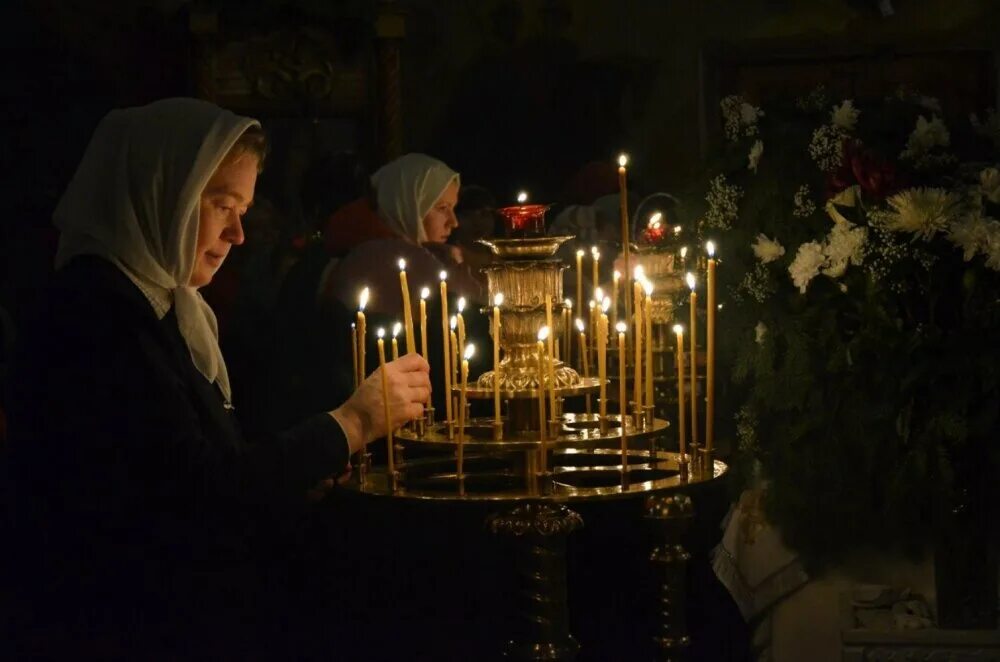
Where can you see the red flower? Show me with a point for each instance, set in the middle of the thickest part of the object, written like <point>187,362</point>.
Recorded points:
<point>875,175</point>
<point>299,242</point>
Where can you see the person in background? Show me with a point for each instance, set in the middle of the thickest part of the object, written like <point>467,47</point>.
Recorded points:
<point>477,219</point>
<point>140,508</point>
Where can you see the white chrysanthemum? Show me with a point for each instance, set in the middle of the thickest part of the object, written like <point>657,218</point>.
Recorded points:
<point>844,245</point>
<point>806,264</point>
<point>991,245</point>
<point>755,153</point>
<point>921,211</point>
<point>969,234</point>
<point>845,116</point>
<point>926,136</point>
<point>989,184</point>
<point>767,250</point>
<point>759,332</point>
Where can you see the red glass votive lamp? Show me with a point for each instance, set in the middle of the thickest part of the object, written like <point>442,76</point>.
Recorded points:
<point>522,221</point>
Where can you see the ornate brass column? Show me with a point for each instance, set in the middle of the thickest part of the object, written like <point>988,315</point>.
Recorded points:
<point>670,516</point>
<point>390,29</point>
<point>539,533</point>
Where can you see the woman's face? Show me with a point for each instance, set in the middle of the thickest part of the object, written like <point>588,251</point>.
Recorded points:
<point>227,196</point>
<point>440,220</point>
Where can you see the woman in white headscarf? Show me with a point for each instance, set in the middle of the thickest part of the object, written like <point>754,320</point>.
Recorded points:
<point>137,492</point>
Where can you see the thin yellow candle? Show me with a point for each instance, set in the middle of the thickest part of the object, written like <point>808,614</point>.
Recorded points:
<point>593,326</point>
<point>693,387</point>
<point>396,328</point>
<point>354,352</point>
<point>710,348</point>
<point>411,343</point>
<point>454,352</point>
<point>622,403</point>
<point>637,341</point>
<point>623,210</point>
<point>681,409</point>
<point>579,276</point>
<point>596,255</point>
<point>445,345</point>
<point>424,293</point>
<point>615,284</point>
<point>540,349</point>
<point>551,354</point>
<point>385,402</point>
<point>647,318</point>
<point>469,351</point>
<point>568,331</point>
<point>546,334</point>
<point>583,353</point>
<point>497,302</point>
<point>362,334</point>
<point>461,323</point>
<point>602,360</point>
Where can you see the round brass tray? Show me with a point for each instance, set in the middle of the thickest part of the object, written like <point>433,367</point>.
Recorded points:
<point>533,247</point>
<point>585,385</point>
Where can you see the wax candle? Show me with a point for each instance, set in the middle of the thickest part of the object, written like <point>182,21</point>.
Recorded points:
<point>602,359</point>
<point>362,334</point>
<point>445,345</point>
<point>615,284</point>
<point>593,327</point>
<point>354,352</point>
<point>551,353</point>
<point>411,343</point>
<point>579,276</point>
<point>583,354</point>
<point>396,328</point>
<point>497,302</point>
<point>385,403</point>
<point>568,331</point>
<point>693,387</point>
<point>637,341</point>
<point>466,355</point>
<point>424,293</point>
<point>622,402</point>
<point>710,348</point>
<point>454,352</point>
<point>647,318</point>
<point>461,323</point>
<point>552,377</point>
<point>596,255</point>
<point>681,409</point>
<point>623,212</point>
<point>540,352</point>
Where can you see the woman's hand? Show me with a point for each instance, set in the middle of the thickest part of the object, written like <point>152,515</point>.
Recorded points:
<point>363,415</point>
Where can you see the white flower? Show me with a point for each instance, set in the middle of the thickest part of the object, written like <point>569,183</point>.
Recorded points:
<point>930,103</point>
<point>806,264</point>
<point>969,234</point>
<point>989,184</point>
<point>845,244</point>
<point>739,117</point>
<point>804,206</point>
<point>926,136</point>
<point>767,250</point>
<point>826,148</point>
<point>845,116</point>
<point>759,332</point>
<point>922,211</point>
<point>846,198</point>
<point>723,201</point>
<point>755,153</point>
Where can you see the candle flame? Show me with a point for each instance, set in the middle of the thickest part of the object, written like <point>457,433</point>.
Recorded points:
<point>654,219</point>
<point>443,275</point>
<point>461,304</point>
<point>402,264</point>
<point>498,299</point>
<point>363,299</point>
<point>579,252</point>
<point>622,160</point>
<point>594,251</point>
<point>606,304</point>
<point>678,329</point>
<point>648,286</point>
<point>425,292</point>
<point>579,324</point>
<point>593,304</point>
<point>620,327</point>
<point>353,325</point>
<point>710,248</point>
<point>684,252</point>
<point>598,294</point>
<point>522,197</point>
<point>543,333</point>
<point>638,273</point>
<point>677,230</point>
<point>470,349</point>
<point>617,276</point>
<point>396,328</point>
<point>380,332</point>
<point>569,303</point>
<point>690,280</point>
<point>719,307</point>
<point>453,322</point>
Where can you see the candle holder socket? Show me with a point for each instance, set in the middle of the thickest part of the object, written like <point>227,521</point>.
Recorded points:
<point>429,416</point>
<point>497,430</point>
<point>647,416</point>
<point>555,428</point>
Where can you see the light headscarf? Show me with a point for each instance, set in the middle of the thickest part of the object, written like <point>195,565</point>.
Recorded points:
<point>135,200</point>
<point>406,190</point>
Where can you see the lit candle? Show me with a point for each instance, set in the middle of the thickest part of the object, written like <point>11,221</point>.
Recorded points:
<point>546,334</point>
<point>693,388</point>
<point>424,293</point>
<point>551,353</point>
<point>354,352</point>
<point>445,337</point>
<point>461,323</point>
<point>615,284</point>
<point>396,328</point>
<point>583,354</point>
<point>454,352</point>
<point>602,358</point>
<point>647,318</point>
<point>467,354</point>
<point>622,403</point>
<point>385,402</point>
<point>411,343</point>
<point>596,255</point>
<point>568,331</point>
<point>522,197</point>
<point>579,276</point>
<point>497,302</point>
<point>710,348</point>
<point>626,236</point>
<point>540,349</point>
<point>362,334</point>
<point>593,326</point>
<point>637,341</point>
<point>681,409</point>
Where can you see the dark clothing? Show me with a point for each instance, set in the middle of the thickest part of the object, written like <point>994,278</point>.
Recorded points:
<point>140,503</point>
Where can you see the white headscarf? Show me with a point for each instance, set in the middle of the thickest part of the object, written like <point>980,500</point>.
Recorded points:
<point>135,200</point>
<point>406,189</point>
